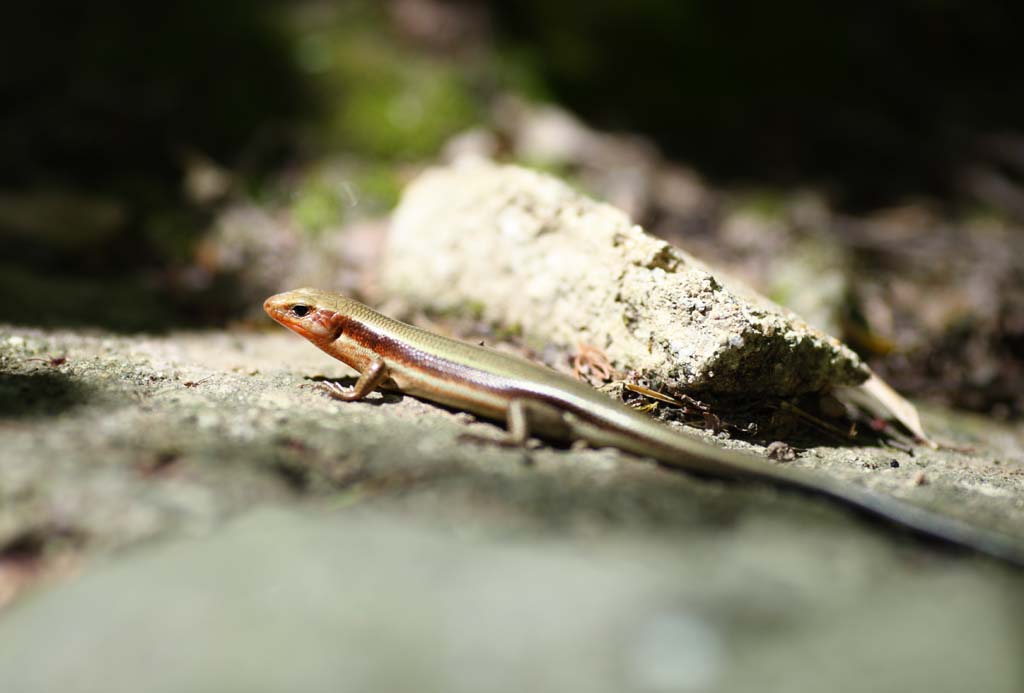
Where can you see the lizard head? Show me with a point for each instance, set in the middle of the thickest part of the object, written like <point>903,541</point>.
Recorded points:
<point>312,313</point>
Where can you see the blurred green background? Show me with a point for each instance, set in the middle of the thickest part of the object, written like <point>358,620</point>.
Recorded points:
<point>161,162</point>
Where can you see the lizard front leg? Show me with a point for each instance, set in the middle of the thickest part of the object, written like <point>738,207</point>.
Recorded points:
<point>368,381</point>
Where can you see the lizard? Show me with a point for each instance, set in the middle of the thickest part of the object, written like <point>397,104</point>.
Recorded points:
<point>532,399</point>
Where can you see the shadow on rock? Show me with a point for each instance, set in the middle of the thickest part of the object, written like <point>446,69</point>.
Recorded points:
<point>39,394</point>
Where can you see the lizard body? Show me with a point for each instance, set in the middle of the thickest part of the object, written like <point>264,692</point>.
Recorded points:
<point>533,399</point>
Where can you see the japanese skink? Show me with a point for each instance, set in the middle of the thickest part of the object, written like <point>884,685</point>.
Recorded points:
<point>532,399</point>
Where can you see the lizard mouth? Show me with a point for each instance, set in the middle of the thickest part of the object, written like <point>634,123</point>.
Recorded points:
<point>296,327</point>
<point>277,309</point>
<point>314,326</point>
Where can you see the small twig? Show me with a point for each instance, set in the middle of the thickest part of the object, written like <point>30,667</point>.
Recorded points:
<point>815,421</point>
<point>654,394</point>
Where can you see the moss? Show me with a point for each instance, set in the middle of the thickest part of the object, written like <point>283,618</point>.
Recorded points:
<point>765,203</point>
<point>387,101</point>
<point>465,310</point>
<point>332,194</point>
<point>318,204</point>
<point>513,331</point>
<point>379,187</point>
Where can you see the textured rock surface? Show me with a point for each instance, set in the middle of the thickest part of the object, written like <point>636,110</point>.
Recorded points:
<point>386,553</point>
<point>525,251</point>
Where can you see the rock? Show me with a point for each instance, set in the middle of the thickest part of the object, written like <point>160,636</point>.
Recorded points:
<point>386,553</point>
<point>366,601</point>
<point>528,253</point>
<point>264,255</point>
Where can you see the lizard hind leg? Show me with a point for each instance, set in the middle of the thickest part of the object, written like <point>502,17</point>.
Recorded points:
<point>525,418</point>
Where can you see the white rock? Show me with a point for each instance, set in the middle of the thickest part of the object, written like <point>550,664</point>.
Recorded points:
<point>529,251</point>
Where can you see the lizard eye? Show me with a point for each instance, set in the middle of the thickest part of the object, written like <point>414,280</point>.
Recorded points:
<point>300,311</point>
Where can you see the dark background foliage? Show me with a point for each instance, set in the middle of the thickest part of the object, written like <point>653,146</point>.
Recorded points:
<point>876,99</point>
<point>129,130</point>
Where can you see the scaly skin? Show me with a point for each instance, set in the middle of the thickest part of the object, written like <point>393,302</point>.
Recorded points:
<point>531,398</point>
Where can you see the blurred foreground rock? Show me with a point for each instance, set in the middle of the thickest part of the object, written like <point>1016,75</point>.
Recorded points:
<point>360,601</point>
